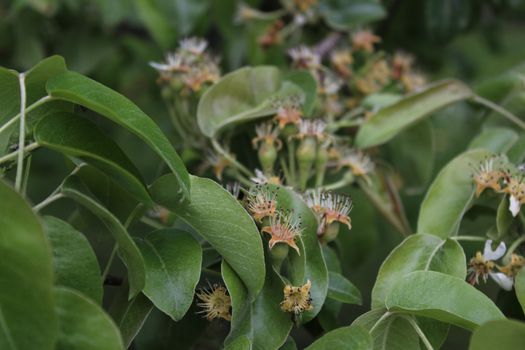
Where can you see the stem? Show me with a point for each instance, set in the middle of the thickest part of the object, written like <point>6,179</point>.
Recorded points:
<point>228,157</point>
<point>47,201</point>
<point>384,210</point>
<point>469,238</point>
<point>291,161</point>
<point>27,169</point>
<point>500,110</point>
<point>513,247</point>
<point>28,109</point>
<point>110,261</point>
<point>381,319</point>
<point>345,181</point>
<point>419,332</point>
<point>14,154</point>
<point>151,222</point>
<point>22,133</point>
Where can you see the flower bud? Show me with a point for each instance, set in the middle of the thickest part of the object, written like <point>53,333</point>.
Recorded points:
<point>306,154</point>
<point>267,157</point>
<point>330,232</point>
<point>320,165</point>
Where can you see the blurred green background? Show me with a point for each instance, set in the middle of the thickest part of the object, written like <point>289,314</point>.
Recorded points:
<point>112,41</point>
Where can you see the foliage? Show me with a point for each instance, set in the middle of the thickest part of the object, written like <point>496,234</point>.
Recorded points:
<point>243,234</point>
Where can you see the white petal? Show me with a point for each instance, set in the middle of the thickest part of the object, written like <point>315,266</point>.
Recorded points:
<point>514,206</point>
<point>502,280</point>
<point>159,66</point>
<point>490,254</point>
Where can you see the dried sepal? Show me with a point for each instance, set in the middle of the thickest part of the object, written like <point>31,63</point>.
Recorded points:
<point>283,227</point>
<point>215,302</point>
<point>297,299</point>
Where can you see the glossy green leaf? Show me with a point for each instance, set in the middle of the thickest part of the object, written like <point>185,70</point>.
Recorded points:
<point>351,14</point>
<point>392,333</point>
<point>289,344</point>
<point>128,251</point>
<point>74,261</point>
<point>173,267</point>
<point>519,285</point>
<point>445,18</point>
<point>418,252</point>
<point>76,88</point>
<point>501,334</point>
<point>351,338</point>
<point>445,298</point>
<point>328,317</point>
<point>341,289</point>
<point>391,120</point>
<point>83,325</point>
<point>77,137</point>
<point>26,277</point>
<point>243,95</point>
<point>130,315</point>
<point>450,195</point>
<point>310,265</point>
<point>260,319</point>
<point>496,140</point>
<point>228,227</point>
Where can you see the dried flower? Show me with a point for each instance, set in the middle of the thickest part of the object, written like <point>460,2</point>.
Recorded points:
<point>261,203</point>
<point>516,189</point>
<point>364,40</point>
<point>297,299</point>
<point>261,179</point>
<point>215,302</point>
<point>288,112</point>
<point>482,265</point>
<point>329,208</point>
<point>272,36</point>
<point>514,266</point>
<point>342,61</point>
<point>267,133</point>
<point>304,57</point>
<point>195,46</point>
<point>358,162</point>
<point>401,64</point>
<point>218,163</point>
<point>283,228</point>
<point>312,128</point>
<point>304,5</point>
<point>485,176</point>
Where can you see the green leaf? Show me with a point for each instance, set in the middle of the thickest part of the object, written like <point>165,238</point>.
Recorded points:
<point>450,195</point>
<point>173,267</point>
<point>501,334</point>
<point>341,289</point>
<point>442,297</point>
<point>391,333</point>
<point>418,252</point>
<point>240,343</point>
<point>495,139</point>
<point>27,315</point>
<point>519,285</point>
<point>243,95</point>
<point>350,14</point>
<point>351,338</point>
<point>76,88</point>
<point>310,265</point>
<point>412,153</point>
<point>168,19</point>
<point>77,137</point>
<point>128,251</point>
<point>504,217</point>
<point>391,120</point>
<point>83,325</point>
<point>263,321</point>
<point>516,153</point>
<point>35,82</point>
<point>308,84</point>
<point>227,227</point>
<point>130,315</point>
<point>75,262</point>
